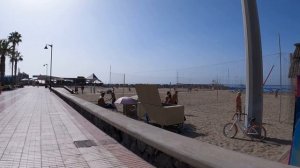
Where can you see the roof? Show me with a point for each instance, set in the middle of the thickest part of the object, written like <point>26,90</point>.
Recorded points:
<point>294,70</point>
<point>93,78</point>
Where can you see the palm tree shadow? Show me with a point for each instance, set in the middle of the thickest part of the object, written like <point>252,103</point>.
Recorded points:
<point>243,139</point>
<point>276,141</point>
<point>190,115</point>
<point>189,130</point>
<point>268,140</point>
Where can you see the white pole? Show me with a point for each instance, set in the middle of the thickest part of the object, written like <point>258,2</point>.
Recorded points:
<point>109,75</point>
<point>280,75</point>
<point>254,65</point>
<point>228,81</point>
<point>124,86</point>
<point>177,77</point>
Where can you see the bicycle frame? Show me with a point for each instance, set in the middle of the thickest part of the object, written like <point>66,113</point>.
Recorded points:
<point>242,127</point>
<point>252,130</point>
<point>238,123</point>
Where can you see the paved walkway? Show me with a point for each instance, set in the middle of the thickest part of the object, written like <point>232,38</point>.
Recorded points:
<point>37,129</point>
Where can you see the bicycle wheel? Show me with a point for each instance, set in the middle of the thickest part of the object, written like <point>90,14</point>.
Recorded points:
<point>253,133</point>
<point>230,130</point>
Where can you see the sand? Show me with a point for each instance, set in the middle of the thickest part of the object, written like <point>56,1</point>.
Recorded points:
<point>207,111</point>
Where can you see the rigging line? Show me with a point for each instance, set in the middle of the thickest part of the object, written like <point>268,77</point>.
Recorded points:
<point>201,66</point>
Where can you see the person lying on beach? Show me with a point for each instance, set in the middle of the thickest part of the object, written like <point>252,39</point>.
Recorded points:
<point>101,102</point>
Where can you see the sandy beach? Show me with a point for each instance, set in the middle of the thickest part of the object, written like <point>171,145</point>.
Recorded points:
<point>207,111</point>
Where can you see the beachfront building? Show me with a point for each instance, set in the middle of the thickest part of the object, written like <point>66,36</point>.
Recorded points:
<point>93,79</point>
<point>79,80</point>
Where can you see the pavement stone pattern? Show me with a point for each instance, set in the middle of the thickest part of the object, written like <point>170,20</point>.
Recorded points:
<point>38,129</point>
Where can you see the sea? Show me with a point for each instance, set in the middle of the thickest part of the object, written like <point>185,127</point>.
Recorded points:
<point>266,88</point>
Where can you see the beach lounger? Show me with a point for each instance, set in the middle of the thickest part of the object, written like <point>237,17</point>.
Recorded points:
<point>150,103</point>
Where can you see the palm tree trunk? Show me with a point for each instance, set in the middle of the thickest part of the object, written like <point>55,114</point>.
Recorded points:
<point>16,65</point>
<point>12,63</point>
<point>12,70</point>
<point>2,68</point>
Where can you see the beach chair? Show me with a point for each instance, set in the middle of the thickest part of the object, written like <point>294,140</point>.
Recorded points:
<point>150,103</point>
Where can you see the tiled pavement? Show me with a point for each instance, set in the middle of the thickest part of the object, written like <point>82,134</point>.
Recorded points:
<point>37,129</point>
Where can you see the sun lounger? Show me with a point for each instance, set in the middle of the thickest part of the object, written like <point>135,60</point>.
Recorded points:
<point>150,103</point>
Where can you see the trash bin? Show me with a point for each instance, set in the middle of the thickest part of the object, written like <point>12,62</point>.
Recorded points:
<point>130,110</point>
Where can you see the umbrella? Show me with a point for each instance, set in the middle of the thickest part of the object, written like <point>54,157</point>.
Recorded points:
<point>125,100</point>
<point>135,97</point>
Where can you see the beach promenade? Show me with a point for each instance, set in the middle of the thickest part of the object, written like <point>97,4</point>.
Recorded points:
<point>38,129</point>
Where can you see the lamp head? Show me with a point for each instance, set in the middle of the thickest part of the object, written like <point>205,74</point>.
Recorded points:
<point>46,47</point>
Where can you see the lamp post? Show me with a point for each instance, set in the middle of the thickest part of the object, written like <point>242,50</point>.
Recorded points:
<point>46,47</point>
<point>46,65</point>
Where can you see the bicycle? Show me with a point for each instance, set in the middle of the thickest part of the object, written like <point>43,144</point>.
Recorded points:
<point>230,129</point>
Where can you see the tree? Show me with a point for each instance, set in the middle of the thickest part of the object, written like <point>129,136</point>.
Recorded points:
<point>4,50</point>
<point>18,57</point>
<point>15,39</point>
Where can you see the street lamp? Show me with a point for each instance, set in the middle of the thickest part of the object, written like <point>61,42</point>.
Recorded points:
<point>46,47</point>
<point>46,73</point>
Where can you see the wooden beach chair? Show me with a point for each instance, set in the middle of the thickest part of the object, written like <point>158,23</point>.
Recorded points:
<point>150,103</point>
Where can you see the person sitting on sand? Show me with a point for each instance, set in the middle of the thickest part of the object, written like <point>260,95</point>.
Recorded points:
<point>112,96</point>
<point>238,101</point>
<point>174,99</point>
<point>101,101</point>
<point>168,98</point>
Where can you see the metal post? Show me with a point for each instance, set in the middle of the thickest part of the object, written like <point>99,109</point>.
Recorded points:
<point>51,45</point>
<point>109,76</point>
<point>46,73</point>
<point>280,75</point>
<point>254,66</point>
<point>51,68</point>
<point>124,86</point>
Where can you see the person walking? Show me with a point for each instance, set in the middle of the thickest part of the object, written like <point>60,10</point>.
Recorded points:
<point>82,88</point>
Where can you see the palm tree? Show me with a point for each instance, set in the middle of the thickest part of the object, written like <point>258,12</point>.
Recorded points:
<point>18,57</point>
<point>15,39</point>
<point>4,50</point>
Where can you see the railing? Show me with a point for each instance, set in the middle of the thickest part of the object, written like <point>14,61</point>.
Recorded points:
<point>160,147</point>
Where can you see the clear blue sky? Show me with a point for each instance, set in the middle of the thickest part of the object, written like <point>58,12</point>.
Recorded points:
<point>148,40</point>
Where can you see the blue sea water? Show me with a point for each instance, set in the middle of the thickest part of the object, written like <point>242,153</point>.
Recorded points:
<point>267,88</point>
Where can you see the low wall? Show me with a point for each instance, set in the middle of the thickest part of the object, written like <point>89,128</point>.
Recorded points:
<point>160,147</point>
